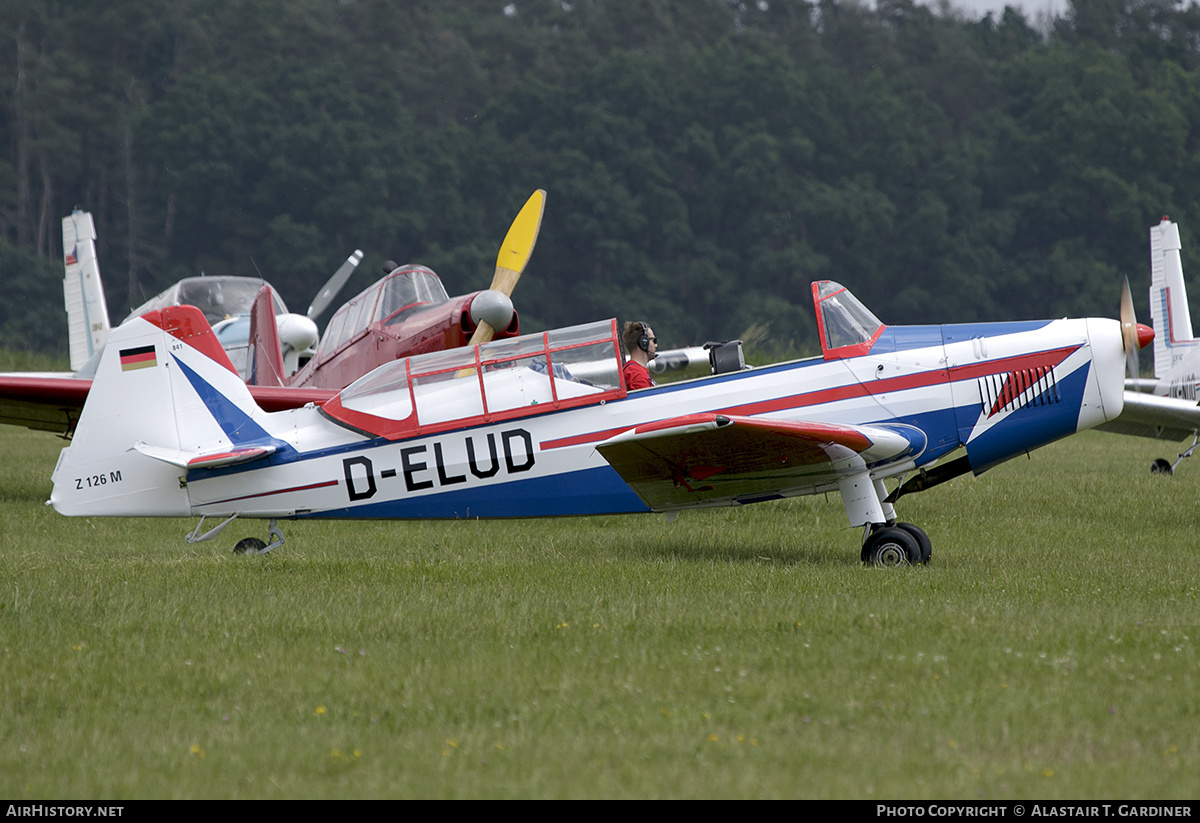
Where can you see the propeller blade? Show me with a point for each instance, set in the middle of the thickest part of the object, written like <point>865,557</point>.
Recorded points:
<point>334,285</point>
<point>514,255</point>
<point>1129,332</point>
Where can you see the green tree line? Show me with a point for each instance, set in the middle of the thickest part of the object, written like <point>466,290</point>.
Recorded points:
<point>704,160</point>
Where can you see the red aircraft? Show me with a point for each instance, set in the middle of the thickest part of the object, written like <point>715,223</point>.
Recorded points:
<point>406,313</point>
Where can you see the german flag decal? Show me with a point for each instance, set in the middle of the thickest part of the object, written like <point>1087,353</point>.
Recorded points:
<point>140,358</point>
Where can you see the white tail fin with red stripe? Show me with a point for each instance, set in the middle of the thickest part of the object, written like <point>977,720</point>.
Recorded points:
<point>87,313</point>
<point>1172,320</point>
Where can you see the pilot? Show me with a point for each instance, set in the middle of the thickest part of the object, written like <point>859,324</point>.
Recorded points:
<point>642,346</point>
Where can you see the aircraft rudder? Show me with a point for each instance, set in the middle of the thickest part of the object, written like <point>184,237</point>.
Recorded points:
<point>83,292</point>
<point>265,359</point>
<point>1169,311</point>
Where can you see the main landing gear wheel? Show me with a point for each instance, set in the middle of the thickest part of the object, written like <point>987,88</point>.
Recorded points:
<point>923,542</point>
<point>1161,466</point>
<point>891,546</point>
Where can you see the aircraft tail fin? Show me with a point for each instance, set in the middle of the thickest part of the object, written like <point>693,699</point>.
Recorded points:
<point>1168,299</point>
<point>265,358</point>
<point>87,313</point>
<point>165,399</point>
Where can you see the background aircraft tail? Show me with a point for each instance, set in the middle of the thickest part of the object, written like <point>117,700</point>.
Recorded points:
<point>87,313</point>
<point>165,399</point>
<point>264,366</point>
<point>1168,299</point>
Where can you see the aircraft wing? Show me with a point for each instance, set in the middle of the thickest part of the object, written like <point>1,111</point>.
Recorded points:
<point>1148,415</point>
<point>710,458</point>
<point>281,398</point>
<point>46,402</point>
<point>53,401</point>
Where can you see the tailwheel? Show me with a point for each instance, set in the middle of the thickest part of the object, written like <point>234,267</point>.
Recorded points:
<point>1163,466</point>
<point>253,545</point>
<point>891,546</point>
<point>250,545</point>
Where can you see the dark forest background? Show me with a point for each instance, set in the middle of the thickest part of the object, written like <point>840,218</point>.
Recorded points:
<point>704,159</point>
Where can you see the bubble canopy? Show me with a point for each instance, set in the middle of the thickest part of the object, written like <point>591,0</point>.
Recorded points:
<point>470,385</point>
<point>390,300</point>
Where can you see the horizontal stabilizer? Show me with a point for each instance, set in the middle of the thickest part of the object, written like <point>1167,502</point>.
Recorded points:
<point>205,460</point>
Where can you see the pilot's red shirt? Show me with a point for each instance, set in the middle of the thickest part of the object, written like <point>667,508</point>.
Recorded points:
<point>637,376</point>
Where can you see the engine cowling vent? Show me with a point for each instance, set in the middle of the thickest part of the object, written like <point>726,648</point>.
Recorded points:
<point>1017,389</point>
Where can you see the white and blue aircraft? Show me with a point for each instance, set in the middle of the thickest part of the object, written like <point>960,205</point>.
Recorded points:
<point>543,425</point>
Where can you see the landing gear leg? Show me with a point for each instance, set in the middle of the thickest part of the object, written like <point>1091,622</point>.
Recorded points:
<point>196,537</point>
<point>886,542</point>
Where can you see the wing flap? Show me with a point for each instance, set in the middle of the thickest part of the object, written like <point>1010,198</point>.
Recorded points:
<point>708,458</point>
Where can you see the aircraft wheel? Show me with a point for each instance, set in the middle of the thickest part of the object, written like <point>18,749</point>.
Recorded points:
<point>249,545</point>
<point>891,546</point>
<point>923,541</point>
<point>1161,466</point>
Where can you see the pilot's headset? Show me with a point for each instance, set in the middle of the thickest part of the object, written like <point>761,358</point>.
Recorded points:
<point>643,340</point>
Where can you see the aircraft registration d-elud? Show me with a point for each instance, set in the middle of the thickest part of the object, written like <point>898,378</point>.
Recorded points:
<point>542,425</point>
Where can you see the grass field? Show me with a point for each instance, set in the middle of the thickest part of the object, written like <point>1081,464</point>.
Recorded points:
<point>1049,651</point>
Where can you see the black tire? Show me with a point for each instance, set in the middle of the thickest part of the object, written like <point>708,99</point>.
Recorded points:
<point>249,545</point>
<point>923,541</point>
<point>1161,466</point>
<point>891,546</point>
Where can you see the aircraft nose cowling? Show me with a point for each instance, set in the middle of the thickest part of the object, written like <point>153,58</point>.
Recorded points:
<point>297,331</point>
<point>492,307</point>
<point>1108,371</point>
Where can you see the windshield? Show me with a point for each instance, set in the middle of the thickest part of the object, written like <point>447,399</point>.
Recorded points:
<point>389,300</point>
<point>844,320</point>
<point>218,297</point>
<point>408,288</point>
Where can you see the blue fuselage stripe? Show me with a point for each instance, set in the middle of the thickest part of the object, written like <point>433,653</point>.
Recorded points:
<point>592,491</point>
